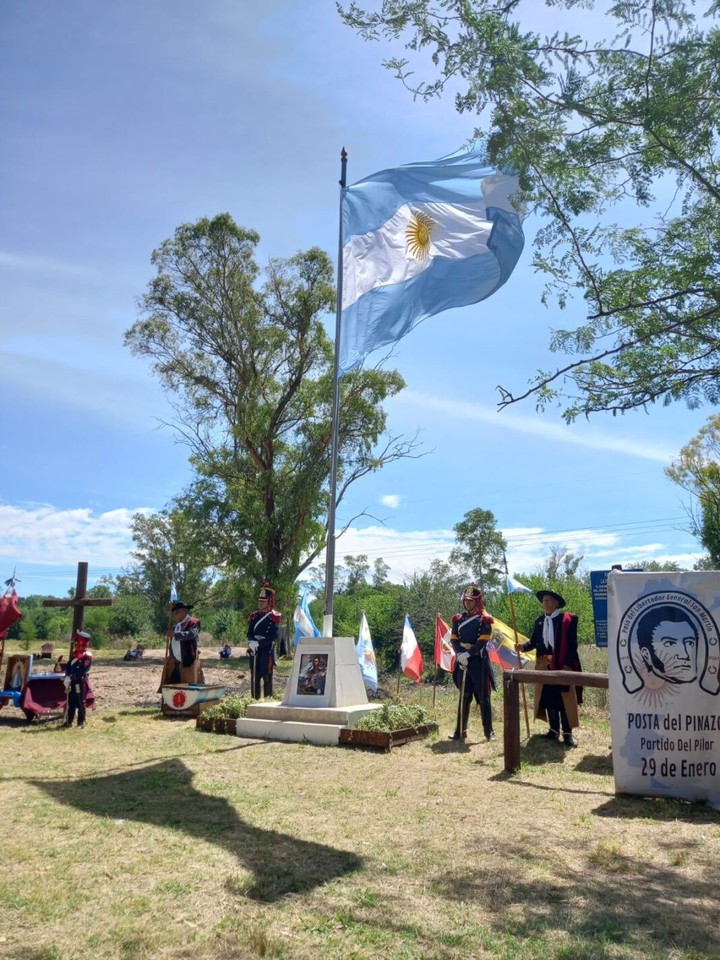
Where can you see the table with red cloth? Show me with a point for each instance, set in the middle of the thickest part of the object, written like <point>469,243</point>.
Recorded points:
<point>45,694</point>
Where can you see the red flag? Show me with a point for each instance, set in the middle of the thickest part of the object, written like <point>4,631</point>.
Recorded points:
<point>411,662</point>
<point>9,612</point>
<point>444,653</point>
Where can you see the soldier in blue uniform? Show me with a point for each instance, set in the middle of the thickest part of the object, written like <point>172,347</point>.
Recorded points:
<point>262,633</point>
<point>469,637</point>
<point>75,681</point>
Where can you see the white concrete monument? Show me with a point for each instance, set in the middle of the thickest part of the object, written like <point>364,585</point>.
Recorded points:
<point>325,692</point>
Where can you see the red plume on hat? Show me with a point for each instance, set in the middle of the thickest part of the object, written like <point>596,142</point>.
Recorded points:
<point>472,592</point>
<point>267,593</point>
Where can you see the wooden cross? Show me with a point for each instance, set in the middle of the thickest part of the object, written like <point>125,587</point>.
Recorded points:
<point>80,600</point>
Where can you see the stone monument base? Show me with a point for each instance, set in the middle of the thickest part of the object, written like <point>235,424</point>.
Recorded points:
<point>325,693</point>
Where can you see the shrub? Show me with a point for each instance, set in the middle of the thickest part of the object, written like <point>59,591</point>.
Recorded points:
<point>233,707</point>
<point>393,716</point>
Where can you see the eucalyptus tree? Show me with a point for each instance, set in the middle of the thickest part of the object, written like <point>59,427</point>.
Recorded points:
<point>615,136</point>
<point>245,360</point>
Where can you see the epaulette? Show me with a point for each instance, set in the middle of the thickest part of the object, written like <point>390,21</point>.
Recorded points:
<point>456,617</point>
<point>486,618</point>
<point>275,616</point>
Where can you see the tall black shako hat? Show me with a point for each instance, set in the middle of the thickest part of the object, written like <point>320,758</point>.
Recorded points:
<point>472,592</point>
<point>179,605</point>
<point>267,593</point>
<point>550,593</point>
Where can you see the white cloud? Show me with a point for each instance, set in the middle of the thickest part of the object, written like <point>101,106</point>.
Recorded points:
<point>40,534</point>
<point>392,500</point>
<point>539,427</point>
<point>408,552</point>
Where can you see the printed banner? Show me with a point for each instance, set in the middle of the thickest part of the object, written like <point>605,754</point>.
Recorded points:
<point>663,664</point>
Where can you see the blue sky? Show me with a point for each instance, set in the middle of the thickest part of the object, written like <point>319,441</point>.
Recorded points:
<point>121,121</point>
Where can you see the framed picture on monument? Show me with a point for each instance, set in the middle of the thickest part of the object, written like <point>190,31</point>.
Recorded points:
<point>312,674</point>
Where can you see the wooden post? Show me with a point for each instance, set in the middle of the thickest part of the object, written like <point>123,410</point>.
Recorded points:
<point>511,701</point>
<point>511,722</point>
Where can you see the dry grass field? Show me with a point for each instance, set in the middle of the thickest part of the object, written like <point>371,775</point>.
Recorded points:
<point>141,837</point>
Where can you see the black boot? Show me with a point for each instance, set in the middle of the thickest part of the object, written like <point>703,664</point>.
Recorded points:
<point>461,726</point>
<point>554,722</point>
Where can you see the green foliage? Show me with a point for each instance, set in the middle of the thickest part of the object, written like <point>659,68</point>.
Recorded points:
<point>27,632</point>
<point>247,364</point>
<point>480,548</point>
<point>615,137</point>
<point>232,707</point>
<point>384,611</point>
<point>227,625</point>
<point>697,470</point>
<point>357,571</point>
<point>169,548</point>
<point>129,616</point>
<point>574,590</point>
<point>393,716</point>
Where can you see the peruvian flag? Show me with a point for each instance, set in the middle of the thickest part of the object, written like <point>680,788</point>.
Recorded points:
<point>411,662</point>
<point>444,653</point>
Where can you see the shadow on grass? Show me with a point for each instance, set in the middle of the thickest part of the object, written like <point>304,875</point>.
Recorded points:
<point>162,794</point>
<point>539,750</point>
<point>657,808</point>
<point>450,746</point>
<point>593,763</point>
<point>618,904</point>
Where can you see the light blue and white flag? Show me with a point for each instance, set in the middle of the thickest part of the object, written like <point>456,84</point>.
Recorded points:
<point>420,239</point>
<point>302,621</point>
<point>366,655</point>
<point>173,592</point>
<point>514,586</point>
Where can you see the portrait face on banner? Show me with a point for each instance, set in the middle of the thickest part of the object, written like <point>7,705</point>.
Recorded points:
<point>667,640</point>
<point>664,672</point>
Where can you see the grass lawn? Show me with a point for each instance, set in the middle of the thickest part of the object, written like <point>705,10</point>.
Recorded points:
<point>141,837</point>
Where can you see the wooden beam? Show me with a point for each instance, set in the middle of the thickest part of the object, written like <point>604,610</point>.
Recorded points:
<point>79,601</point>
<point>511,702</point>
<point>561,678</point>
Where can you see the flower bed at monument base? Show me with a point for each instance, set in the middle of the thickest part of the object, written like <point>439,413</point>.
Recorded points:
<point>384,739</point>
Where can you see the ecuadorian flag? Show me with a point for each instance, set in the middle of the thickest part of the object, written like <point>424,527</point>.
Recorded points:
<point>501,648</point>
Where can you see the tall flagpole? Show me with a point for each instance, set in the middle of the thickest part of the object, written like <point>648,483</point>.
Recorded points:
<point>330,549</point>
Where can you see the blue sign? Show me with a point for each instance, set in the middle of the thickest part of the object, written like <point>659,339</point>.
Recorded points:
<point>598,589</point>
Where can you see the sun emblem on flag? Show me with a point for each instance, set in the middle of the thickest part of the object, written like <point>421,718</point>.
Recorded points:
<point>418,234</point>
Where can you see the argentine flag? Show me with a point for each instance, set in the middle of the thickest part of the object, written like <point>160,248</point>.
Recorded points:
<point>420,239</point>
<point>514,586</point>
<point>366,655</point>
<point>302,621</point>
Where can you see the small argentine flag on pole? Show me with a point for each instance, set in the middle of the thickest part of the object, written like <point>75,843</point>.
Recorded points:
<point>420,239</point>
<point>514,586</point>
